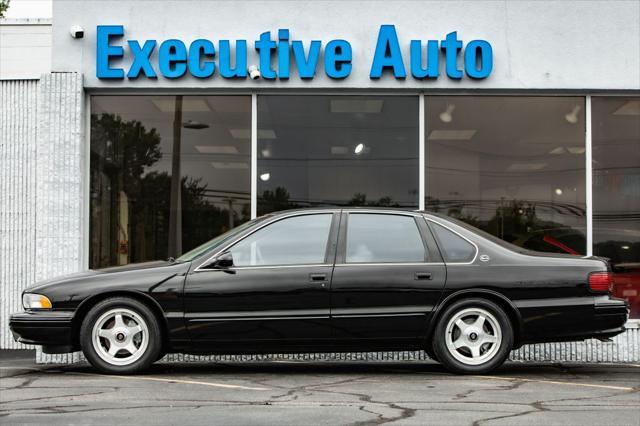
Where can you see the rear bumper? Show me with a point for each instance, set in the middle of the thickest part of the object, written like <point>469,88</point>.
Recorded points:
<point>611,313</point>
<point>595,317</point>
<point>51,329</point>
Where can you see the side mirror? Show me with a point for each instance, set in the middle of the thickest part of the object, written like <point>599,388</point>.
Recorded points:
<point>224,261</point>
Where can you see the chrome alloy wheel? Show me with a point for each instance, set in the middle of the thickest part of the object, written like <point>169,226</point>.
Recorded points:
<point>120,336</point>
<point>473,336</point>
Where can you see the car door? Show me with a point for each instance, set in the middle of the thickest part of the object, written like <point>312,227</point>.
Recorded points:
<point>387,279</point>
<point>276,292</point>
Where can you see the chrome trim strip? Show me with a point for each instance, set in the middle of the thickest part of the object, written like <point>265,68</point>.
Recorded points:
<point>461,236</point>
<point>268,222</point>
<point>255,318</point>
<point>240,268</point>
<point>392,264</point>
<point>407,314</point>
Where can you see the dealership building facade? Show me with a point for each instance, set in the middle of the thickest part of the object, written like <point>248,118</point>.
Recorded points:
<point>135,131</point>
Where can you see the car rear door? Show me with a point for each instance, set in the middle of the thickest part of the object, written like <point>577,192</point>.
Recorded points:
<point>277,291</point>
<point>387,279</point>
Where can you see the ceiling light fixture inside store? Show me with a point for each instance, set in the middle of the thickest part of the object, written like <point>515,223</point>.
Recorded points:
<point>229,165</point>
<point>625,247</point>
<point>359,149</point>
<point>368,106</point>
<point>215,149</point>
<point>447,115</point>
<point>265,177</point>
<point>629,108</point>
<point>451,135</point>
<point>558,191</point>
<point>246,133</point>
<point>572,117</point>
<point>168,104</point>
<point>339,150</point>
<point>195,125</point>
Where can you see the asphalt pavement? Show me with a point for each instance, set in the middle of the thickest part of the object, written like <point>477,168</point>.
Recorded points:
<point>316,393</point>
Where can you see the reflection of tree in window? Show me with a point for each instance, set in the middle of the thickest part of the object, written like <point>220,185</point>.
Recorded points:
<point>515,221</point>
<point>130,208</point>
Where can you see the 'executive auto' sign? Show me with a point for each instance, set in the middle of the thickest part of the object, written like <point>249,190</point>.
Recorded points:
<point>175,59</point>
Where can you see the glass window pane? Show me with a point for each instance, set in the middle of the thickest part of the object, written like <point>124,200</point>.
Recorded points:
<point>454,248</point>
<point>512,166</point>
<point>383,238</point>
<point>337,150</point>
<point>167,174</point>
<point>616,191</point>
<point>296,240</point>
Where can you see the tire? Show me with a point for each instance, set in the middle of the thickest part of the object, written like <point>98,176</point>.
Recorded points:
<point>430,353</point>
<point>467,345</point>
<point>120,336</point>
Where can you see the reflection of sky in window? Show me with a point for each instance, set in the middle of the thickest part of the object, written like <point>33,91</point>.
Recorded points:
<point>201,149</point>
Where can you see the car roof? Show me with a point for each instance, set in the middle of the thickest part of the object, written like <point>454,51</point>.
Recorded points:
<point>349,208</point>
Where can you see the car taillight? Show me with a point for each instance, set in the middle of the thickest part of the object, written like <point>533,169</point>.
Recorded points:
<point>601,281</point>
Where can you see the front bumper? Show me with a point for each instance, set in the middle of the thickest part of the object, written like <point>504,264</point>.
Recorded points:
<point>51,329</point>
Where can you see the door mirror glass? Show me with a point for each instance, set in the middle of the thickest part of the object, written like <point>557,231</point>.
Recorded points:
<point>225,260</point>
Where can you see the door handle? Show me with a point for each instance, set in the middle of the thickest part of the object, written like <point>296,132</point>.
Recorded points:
<point>317,277</point>
<point>423,276</point>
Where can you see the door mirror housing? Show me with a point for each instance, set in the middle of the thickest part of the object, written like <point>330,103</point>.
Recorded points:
<point>224,261</point>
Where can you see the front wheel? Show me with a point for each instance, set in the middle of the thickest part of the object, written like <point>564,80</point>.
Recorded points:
<point>473,336</point>
<point>120,336</point>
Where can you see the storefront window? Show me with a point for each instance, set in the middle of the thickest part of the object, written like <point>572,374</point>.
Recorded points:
<point>512,166</point>
<point>167,174</point>
<point>337,150</point>
<point>616,191</point>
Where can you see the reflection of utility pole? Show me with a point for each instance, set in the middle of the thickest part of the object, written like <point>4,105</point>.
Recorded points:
<point>175,209</point>
<point>502,217</point>
<point>230,201</point>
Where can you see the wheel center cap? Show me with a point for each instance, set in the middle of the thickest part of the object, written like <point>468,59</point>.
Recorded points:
<point>120,337</point>
<point>473,336</point>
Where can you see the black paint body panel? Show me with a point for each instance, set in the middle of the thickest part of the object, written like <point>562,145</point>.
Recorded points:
<point>355,307</point>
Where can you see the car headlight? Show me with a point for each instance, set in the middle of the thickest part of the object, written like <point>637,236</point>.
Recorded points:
<point>35,301</point>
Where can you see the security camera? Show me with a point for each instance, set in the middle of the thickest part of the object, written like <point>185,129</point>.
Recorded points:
<point>254,72</point>
<point>76,31</point>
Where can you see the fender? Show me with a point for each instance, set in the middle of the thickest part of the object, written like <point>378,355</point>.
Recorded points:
<point>478,292</point>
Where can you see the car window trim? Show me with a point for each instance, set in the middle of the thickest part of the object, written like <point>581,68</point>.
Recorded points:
<point>475,256</point>
<point>333,213</point>
<point>342,258</point>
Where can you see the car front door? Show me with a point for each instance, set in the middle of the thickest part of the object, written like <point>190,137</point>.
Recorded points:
<point>387,279</point>
<point>275,293</point>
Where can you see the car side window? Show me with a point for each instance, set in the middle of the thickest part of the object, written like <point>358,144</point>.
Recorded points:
<point>454,248</point>
<point>290,241</point>
<point>383,238</point>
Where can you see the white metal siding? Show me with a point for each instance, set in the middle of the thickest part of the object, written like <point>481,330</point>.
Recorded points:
<point>18,136</point>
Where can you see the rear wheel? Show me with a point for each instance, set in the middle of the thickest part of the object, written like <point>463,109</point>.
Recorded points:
<point>473,336</point>
<point>120,336</point>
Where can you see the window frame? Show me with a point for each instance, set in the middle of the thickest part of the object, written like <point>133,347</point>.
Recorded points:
<point>329,248</point>
<point>430,257</point>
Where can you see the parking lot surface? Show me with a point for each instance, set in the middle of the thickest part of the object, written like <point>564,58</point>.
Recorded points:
<point>314,393</point>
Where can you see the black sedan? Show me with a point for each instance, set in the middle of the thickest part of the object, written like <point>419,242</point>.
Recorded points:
<point>328,280</point>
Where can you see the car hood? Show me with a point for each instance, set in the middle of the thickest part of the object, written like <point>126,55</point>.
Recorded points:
<point>80,276</point>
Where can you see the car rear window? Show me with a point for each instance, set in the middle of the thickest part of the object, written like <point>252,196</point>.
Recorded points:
<point>454,248</point>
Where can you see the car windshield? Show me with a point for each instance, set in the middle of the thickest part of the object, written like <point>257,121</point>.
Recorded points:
<point>220,239</point>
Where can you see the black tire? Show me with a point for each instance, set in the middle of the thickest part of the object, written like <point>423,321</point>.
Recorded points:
<point>430,353</point>
<point>462,361</point>
<point>143,358</point>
